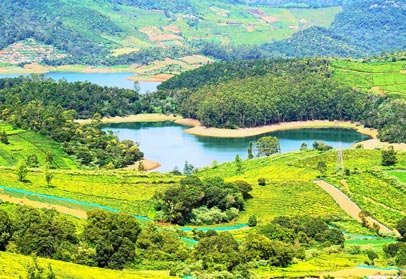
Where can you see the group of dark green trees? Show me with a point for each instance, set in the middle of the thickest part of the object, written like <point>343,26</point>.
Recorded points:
<point>253,93</point>
<point>207,201</point>
<point>50,108</point>
<point>117,240</point>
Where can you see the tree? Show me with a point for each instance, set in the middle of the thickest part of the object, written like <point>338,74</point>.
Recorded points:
<point>238,164</point>
<point>389,157</point>
<point>252,221</point>
<point>218,250</point>
<point>259,247</point>
<point>49,158</point>
<point>401,227</point>
<point>141,165</point>
<point>188,169</point>
<point>45,233</point>
<point>250,151</point>
<point>267,146</point>
<point>4,137</point>
<point>114,236</point>
<point>321,146</point>
<point>21,170</point>
<point>6,230</point>
<point>303,147</point>
<point>322,167</point>
<point>35,271</point>
<point>372,256</point>
<point>261,181</point>
<point>32,161</point>
<point>48,175</point>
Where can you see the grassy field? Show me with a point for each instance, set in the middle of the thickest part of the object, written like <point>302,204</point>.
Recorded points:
<point>14,265</point>
<point>381,77</point>
<point>25,143</point>
<point>130,192</point>
<point>401,175</point>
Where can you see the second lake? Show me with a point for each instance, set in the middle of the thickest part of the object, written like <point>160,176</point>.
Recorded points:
<point>103,79</point>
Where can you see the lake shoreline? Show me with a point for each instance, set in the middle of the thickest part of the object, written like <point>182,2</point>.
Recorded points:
<point>147,117</point>
<point>197,129</point>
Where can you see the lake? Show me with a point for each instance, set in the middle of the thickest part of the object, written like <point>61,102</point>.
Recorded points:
<point>168,144</point>
<point>103,79</point>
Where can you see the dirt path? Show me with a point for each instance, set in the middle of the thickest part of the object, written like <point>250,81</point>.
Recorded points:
<point>350,207</point>
<point>63,209</point>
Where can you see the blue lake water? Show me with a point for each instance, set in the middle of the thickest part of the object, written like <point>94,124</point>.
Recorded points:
<point>168,144</point>
<point>103,79</point>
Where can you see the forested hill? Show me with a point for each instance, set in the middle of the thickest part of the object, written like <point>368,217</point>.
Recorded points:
<point>255,93</point>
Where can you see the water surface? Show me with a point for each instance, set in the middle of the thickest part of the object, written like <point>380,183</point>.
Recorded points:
<point>103,79</point>
<point>168,144</point>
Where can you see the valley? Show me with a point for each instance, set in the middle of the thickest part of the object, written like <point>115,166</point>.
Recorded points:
<point>189,139</point>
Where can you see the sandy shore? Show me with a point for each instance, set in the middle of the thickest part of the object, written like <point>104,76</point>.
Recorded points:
<point>151,117</point>
<point>154,78</point>
<point>148,165</point>
<point>200,130</point>
<point>376,143</point>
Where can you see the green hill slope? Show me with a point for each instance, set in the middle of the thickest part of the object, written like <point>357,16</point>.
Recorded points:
<point>89,31</point>
<point>24,143</point>
<point>14,265</point>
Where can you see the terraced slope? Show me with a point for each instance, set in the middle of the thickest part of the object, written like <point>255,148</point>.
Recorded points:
<point>381,77</point>
<point>24,143</point>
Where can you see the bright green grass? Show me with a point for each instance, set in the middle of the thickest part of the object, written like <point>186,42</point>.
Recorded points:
<point>129,192</point>
<point>386,77</point>
<point>25,143</point>
<point>14,265</point>
<point>372,191</point>
<point>401,175</point>
<point>289,191</point>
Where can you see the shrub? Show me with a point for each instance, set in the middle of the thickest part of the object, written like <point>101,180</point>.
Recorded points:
<point>261,181</point>
<point>252,221</point>
<point>389,157</point>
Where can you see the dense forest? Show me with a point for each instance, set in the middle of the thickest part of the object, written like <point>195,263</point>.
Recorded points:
<point>254,93</point>
<point>50,108</point>
<point>83,97</point>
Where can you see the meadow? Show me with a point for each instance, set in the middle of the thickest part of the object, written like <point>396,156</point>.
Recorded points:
<point>26,143</point>
<point>14,265</point>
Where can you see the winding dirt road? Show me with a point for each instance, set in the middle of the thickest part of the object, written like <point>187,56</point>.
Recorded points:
<point>352,208</point>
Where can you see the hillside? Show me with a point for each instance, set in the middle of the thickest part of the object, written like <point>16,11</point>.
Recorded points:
<point>89,31</point>
<point>262,92</point>
<point>289,191</point>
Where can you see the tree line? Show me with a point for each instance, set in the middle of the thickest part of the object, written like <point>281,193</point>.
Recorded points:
<point>116,241</point>
<point>84,97</point>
